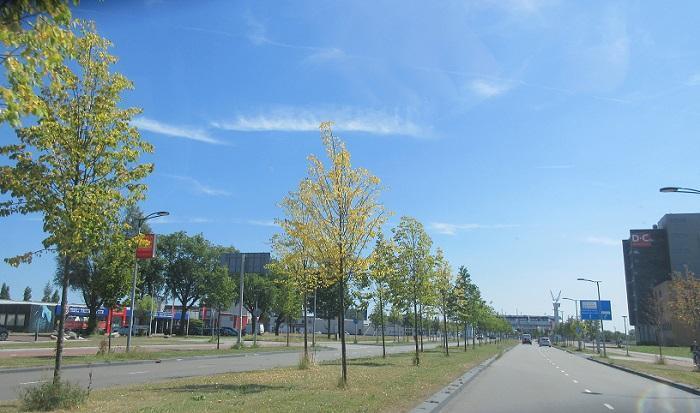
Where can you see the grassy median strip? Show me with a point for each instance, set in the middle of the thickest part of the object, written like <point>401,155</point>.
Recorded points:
<point>666,351</point>
<point>673,372</point>
<point>375,385</point>
<point>136,354</point>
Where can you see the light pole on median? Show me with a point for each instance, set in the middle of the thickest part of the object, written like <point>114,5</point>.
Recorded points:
<point>602,331</point>
<point>140,222</point>
<point>627,344</point>
<point>577,319</point>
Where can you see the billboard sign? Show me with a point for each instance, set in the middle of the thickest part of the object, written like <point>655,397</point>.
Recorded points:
<point>596,310</point>
<point>641,239</point>
<point>146,247</point>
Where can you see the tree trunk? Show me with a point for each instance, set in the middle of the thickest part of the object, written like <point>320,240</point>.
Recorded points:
<point>329,327</point>
<point>473,337</point>
<point>183,314</point>
<point>218,326</point>
<point>61,321</point>
<point>416,361</point>
<point>278,322</point>
<point>306,328</point>
<point>421,328</point>
<point>465,337</point>
<point>447,343</point>
<point>341,329</point>
<point>92,319</point>
<point>381,318</point>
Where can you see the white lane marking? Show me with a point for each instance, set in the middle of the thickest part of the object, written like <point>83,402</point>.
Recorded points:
<point>588,391</point>
<point>33,382</point>
<point>608,406</point>
<point>575,381</point>
<point>562,371</point>
<point>566,374</point>
<point>138,372</point>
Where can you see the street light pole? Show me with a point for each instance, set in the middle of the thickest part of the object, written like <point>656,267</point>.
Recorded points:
<point>240,303</point>
<point>602,331</point>
<point>627,345</point>
<point>140,222</point>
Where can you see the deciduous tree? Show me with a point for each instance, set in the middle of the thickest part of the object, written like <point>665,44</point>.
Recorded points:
<point>345,215</point>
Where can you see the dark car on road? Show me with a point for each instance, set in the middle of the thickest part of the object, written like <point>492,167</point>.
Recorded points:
<point>526,339</point>
<point>228,331</point>
<point>4,333</point>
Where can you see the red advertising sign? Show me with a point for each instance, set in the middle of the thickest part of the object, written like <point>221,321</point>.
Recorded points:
<point>642,239</point>
<point>146,247</point>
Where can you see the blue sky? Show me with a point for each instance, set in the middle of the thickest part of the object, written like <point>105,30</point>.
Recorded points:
<point>528,136</point>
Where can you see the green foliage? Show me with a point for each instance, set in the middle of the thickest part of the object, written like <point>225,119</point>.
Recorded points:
<point>46,297</point>
<point>5,292</point>
<point>27,296</point>
<point>53,395</point>
<point>192,267</point>
<point>35,38</point>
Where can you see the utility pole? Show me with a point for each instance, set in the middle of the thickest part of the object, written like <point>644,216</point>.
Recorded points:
<point>627,346</point>
<point>240,302</point>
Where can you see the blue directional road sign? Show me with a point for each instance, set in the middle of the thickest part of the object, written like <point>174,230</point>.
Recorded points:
<point>596,310</point>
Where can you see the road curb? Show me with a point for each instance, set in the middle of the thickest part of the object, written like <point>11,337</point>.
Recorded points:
<point>437,401</point>
<point>131,362</point>
<point>680,386</point>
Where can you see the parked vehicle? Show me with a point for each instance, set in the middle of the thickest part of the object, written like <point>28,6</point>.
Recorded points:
<point>4,333</point>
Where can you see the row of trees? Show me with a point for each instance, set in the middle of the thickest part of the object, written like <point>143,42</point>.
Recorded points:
<point>329,223</point>
<point>49,294</point>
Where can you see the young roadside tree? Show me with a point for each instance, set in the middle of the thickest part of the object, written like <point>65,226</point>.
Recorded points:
<point>79,165</point>
<point>413,257</point>
<point>654,314</point>
<point>684,292</point>
<point>55,297</point>
<point>294,259</point>
<point>382,274</point>
<point>219,292</point>
<point>444,289</point>
<point>344,216</point>
<point>27,296</point>
<point>4,292</point>
<point>46,297</point>
<point>189,262</point>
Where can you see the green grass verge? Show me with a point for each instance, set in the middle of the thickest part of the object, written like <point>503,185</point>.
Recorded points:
<point>680,374</point>
<point>94,341</point>
<point>375,385</point>
<point>137,354</point>
<point>667,351</point>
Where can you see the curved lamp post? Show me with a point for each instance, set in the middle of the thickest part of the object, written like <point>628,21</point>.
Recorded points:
<point>602,332</point>
<point>679,190</point>
<point>139,222</point>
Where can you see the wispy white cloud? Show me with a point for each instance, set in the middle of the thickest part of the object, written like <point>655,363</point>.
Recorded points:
<point>198,187</point>
<point>262,223</point>
<point>451,229</point>
<point>489,88</point>
<point>694,79</point>
<point>608,242</point>
<point>161,128</point>
<point>304,120</point>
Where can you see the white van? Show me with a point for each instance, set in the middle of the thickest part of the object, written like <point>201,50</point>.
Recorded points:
<point>249,328</point>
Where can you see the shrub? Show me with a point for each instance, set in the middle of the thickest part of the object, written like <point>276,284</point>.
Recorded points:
<point>50,396</point>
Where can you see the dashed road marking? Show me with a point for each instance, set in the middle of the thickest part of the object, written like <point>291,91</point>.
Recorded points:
<point>566,374</point>
<point>562,371</point>
<point>608,406</point>
<point>588,391</point>
<point>33,382</point>
<point>575,381</point>
<point>138,372</point>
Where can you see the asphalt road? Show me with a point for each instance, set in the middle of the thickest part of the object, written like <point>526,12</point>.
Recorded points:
<point>116,375</point>
<point>542,379</point>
